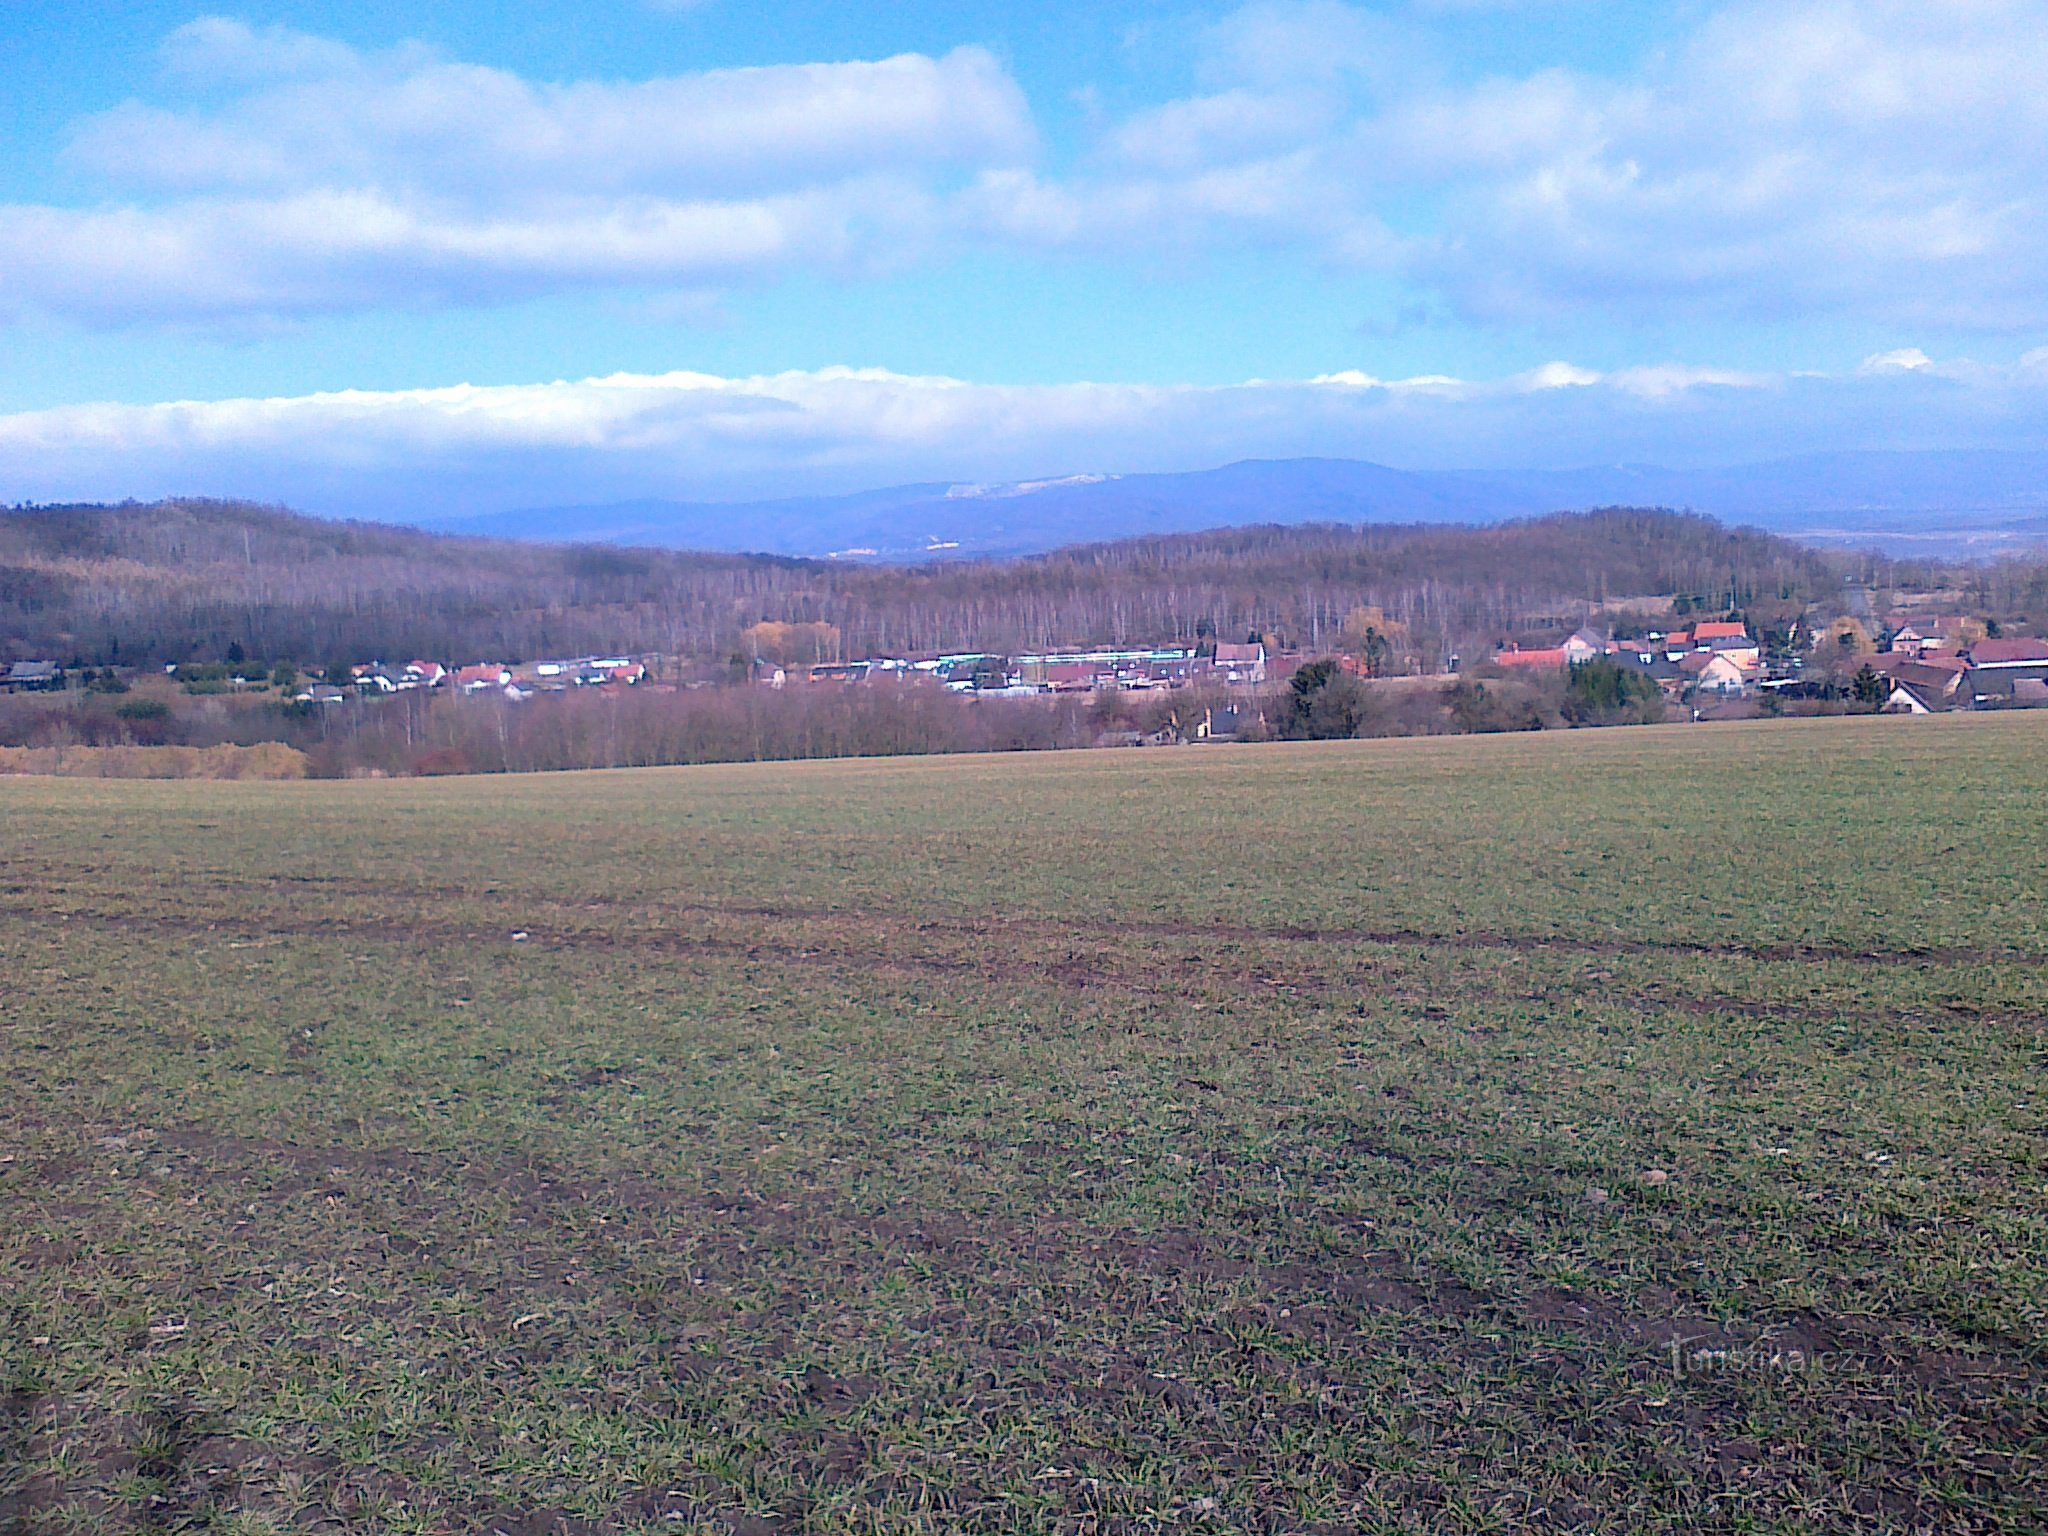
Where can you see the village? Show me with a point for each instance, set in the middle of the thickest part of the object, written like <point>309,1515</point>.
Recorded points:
<point>1920,665</point>
<point>1924,665</point>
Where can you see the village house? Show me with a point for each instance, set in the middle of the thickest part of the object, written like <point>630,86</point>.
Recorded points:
<point>1657,656</point>
<point>1995,666</point>
<point>482,677</point>
<point>1173,671</point>
<point>1929,686</point>
<point>1915,635</point>
<point>1241,664</point>
<point>1716,672</point>
<point>1909,698</point>
<point>1646,660</point>
<point>32,677</point>
<point>1231,723</point>
<point>1281,665</point>
<point>1584,646</point>
<point>1077,676</point>
<point>1738,647</point>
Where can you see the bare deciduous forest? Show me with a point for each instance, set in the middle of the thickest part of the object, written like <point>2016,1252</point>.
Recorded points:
<point>185,580</point>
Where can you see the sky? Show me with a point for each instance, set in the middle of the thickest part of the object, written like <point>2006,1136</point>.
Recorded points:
<point>406,260</point>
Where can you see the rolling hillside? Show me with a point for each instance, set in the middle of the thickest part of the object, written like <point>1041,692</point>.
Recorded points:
<point>185,580</point>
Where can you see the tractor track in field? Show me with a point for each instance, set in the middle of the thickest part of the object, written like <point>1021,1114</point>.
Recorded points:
<point>1801,952</point>
<point>1172,981</point>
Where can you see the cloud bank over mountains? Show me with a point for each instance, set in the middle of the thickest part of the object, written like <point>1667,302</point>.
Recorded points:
<point>464,449</point>
<point>1880,157</point>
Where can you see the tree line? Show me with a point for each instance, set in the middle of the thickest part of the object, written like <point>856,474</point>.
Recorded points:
<point>181,581</point>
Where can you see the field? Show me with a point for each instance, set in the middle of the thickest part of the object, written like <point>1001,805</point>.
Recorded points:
<point>1627,1130</point>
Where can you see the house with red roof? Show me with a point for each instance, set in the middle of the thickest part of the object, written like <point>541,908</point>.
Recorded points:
<point>1078,676</point>
<point>483,675</point>
<point>2003,654</point>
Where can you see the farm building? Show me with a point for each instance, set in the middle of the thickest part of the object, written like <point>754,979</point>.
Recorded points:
<point>32,676</point>
<point>1996,666</point>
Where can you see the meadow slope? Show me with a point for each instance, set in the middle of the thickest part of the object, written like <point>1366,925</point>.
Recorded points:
<point>1626,1130</point>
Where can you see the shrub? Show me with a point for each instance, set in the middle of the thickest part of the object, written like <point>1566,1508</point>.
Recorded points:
<point>448,760</point>
<point>1488,707</point>
<point>265,760</point>
<point>1324,703</point>
<point>1603,692</point>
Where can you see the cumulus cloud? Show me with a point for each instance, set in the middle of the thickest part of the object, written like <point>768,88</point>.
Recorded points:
<point>413,453</point>
<point>314,113</point>
<point>303,175</point>
<point>1898,360</point>
<point>361,249</point>
<point>1877,158</point>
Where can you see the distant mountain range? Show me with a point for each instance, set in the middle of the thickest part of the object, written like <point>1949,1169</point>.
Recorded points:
<point>1940,502</point>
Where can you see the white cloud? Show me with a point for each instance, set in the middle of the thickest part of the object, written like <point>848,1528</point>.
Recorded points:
<point>1205,130</point>
<point>218,50</point>
<point>416,452</point>
<point>314,113</point>
<point>1439,384</point>
<point>1884,159</point>
<point>1875,157</point>
<point>1900,360</point>
<point>310,176</point>
<point>1663,381</point>
<point>1277,43</point>
<point>347,249</point>
<point>1878,158</point>
<point>1560,376</point>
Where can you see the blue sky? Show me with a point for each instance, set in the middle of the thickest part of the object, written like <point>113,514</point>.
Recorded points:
<point>324,253</point>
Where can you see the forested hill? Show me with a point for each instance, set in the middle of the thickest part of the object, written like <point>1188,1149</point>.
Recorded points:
<point>183,580</point>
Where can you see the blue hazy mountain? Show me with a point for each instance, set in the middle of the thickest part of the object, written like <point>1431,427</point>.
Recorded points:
<point>1950,500</point>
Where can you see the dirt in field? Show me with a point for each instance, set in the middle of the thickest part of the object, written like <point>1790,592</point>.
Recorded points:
<point>820,1158</point>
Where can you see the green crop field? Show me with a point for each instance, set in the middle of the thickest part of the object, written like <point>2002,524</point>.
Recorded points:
<point>1629,1130</point>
